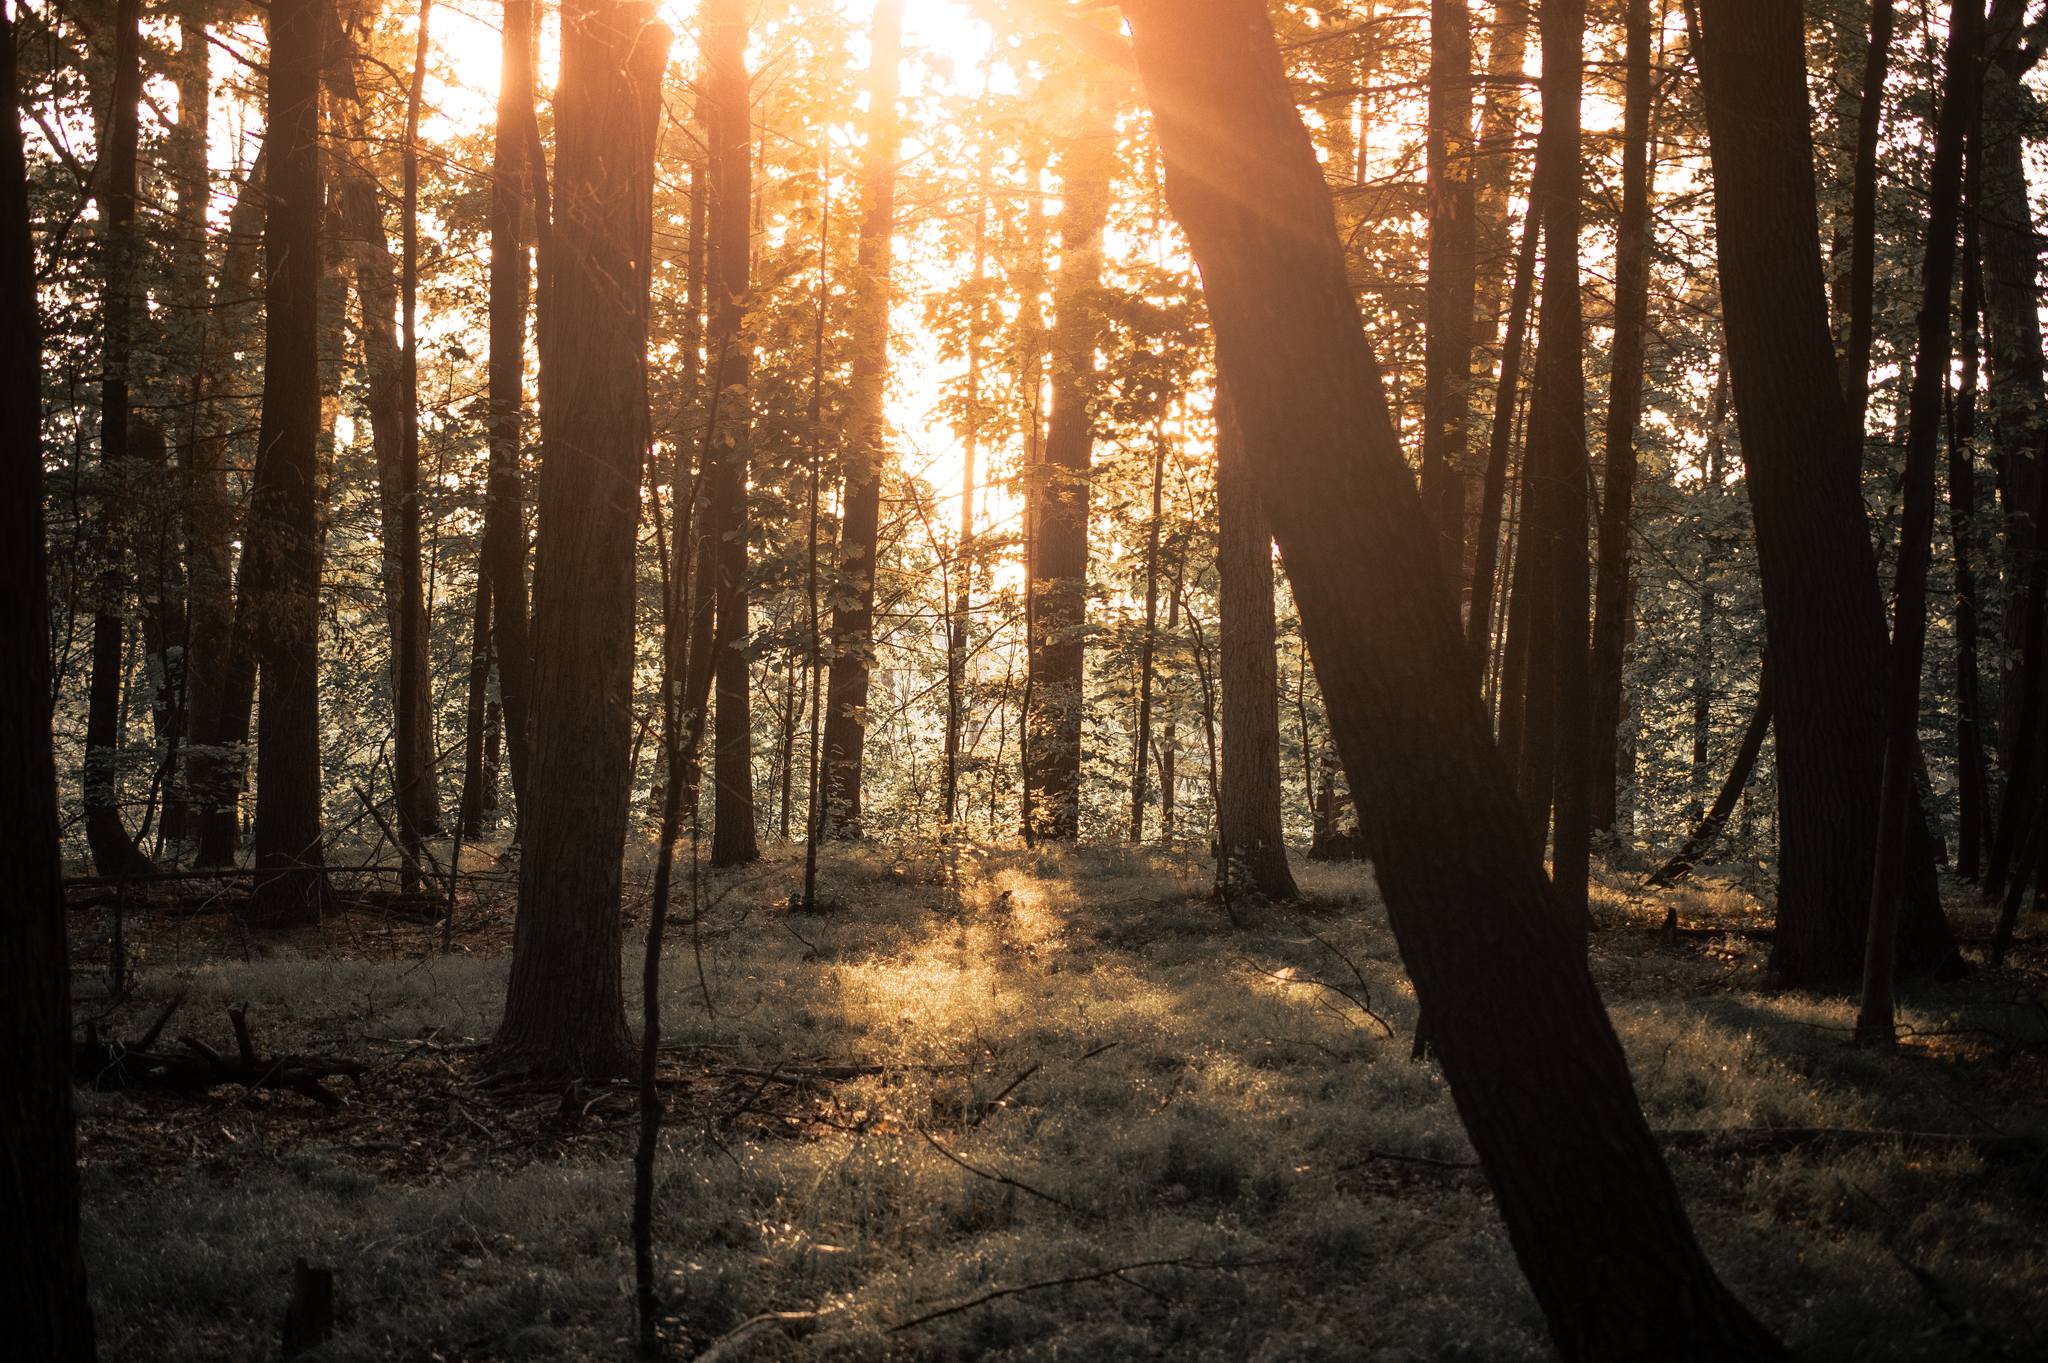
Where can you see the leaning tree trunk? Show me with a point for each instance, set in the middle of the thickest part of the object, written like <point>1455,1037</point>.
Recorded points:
<point>729,128</point>
<point>1933,352</point>
<point>514,193</point>
<point>1248,820</point>
<point>42,1276</point>
<point>853,615</point>
<point>1453,261</point>
<point>281,604</point>
<point>1497,959</point>
<point>1862,282</point>
<point>114,852</point>
<point>564,1011</point>
<point>1624,409</point>
<point>1058,579</point>
<point>1823,617</point>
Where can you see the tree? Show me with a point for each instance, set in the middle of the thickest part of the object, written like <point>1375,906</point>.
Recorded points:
<point>42,1277</point>
<point>1453,252</point>
<point>113,851</point>
<point>278,590</point>
<point>1824,621</point>
<point>1909,633</point>
<point>413,743</point>
<point>1248,821</point>
<point>853,615</point>
<point>729,130</point>
<point>1057,487</point>
<point>517,191</point>
<point>564,1011</point>
<point>1624,409</point>
<point>1496,957</point>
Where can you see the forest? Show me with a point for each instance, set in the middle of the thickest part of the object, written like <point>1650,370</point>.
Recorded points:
<point>1023,679</point>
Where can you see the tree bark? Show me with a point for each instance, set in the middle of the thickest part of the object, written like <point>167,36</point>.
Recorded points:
<point>475,774</point>
<point>114,852</point>
<point>853,615</point>
<point>1972,779</point>
<point>1624,409</point>
<point>1497,959</point>
<point>280,601</point>
<point>564,1013</point>
<point>1500,445</point>
<point>1148,643</point>
<point>729,131</point>
<point>1863,220</point>
<point>1824,620</point>
<point>1934,350</point>
<point>1249,816</point>
<point>1453,263</point>
<point>514,195</point>
<point>1059,489</point>
<point>42,1275</point>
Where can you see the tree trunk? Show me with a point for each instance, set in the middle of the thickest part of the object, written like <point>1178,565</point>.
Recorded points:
<point>42,1276</point>
<point>475,774</point>
<point>413,742</point>
<point>1059,489</point>
<point>1934,350</point>
<point>1701,841</point>
<point>853,615</point>
<point>958,637</point>
<point>564,1013</point>
<point>1249,816</point>
<point>1824,620</point>
<point>114,852</point>
<point>1141,755</point>
<point>1863,220</point>
<point>1558,728</point>
<point>280,599</point>
<point>514,193</point>
<point>1497,959</point>
<point>1453,262</point>
<point>1624,409</point>
<point>726,105</point>
<point>1972,780</point>
<point>1500,445</point>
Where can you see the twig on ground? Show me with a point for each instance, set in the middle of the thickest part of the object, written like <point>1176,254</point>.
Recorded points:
<point>731,1343</point>
<point>1116,1271</point>
<point>1006,1180</point>
<point>992,1104</point>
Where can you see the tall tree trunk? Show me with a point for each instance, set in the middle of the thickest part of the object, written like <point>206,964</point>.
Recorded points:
<point>280,599</point>
<point>1500,445</point>
<point>1624,409</point>
<point>853,614</point>
<point>1558,723</point>
<point>1972,779</point>
<point>1933,352</point>
<point>1863,220</point>
<point>1823,617</point>
<point>564,1014</point>
<point>114,852</point>
<point>515,193</point>
<point>1059,488</point>
<point>729,131</point>
<point>476,775</point>
<point>1498,962</point>
<point>958,637</point>
<point>413,746</point>
<point>1249,817</point>
<point>1507,49</point>
<point>1453,262</point>
<point>220,673</point>
<point>42,1275</point>
<point>1141,756</point>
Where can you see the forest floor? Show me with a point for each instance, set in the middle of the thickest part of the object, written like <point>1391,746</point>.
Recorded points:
<point>1028,1105</point>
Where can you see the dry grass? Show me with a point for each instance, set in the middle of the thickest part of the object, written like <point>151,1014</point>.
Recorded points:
<point>1172,1088</point>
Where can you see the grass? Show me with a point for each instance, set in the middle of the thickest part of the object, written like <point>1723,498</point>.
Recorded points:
<point>1171,1088</point>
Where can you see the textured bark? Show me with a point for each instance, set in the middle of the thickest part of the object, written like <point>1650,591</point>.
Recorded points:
<point>281,601</point>
<point>1058,489</point>
<point>514,191</point>
<point>1496,957</point>
<point>728,127</point>
<point>113,851</point>
<point>42,1276</point>
<point>1248,819</point>
<point>1933,352</point>
<point>1824,624</point>
<point>853,615</point>
<point>1453,262</point>
<point>1624,409</point>
<point>564,1012</point>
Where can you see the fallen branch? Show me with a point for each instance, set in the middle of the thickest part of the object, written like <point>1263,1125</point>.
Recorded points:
<point>117,1065</point>
<point>730,1344</point>
<point>997,1294</point>
<point>1770,1140</point>
<point>1006,1180</point>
